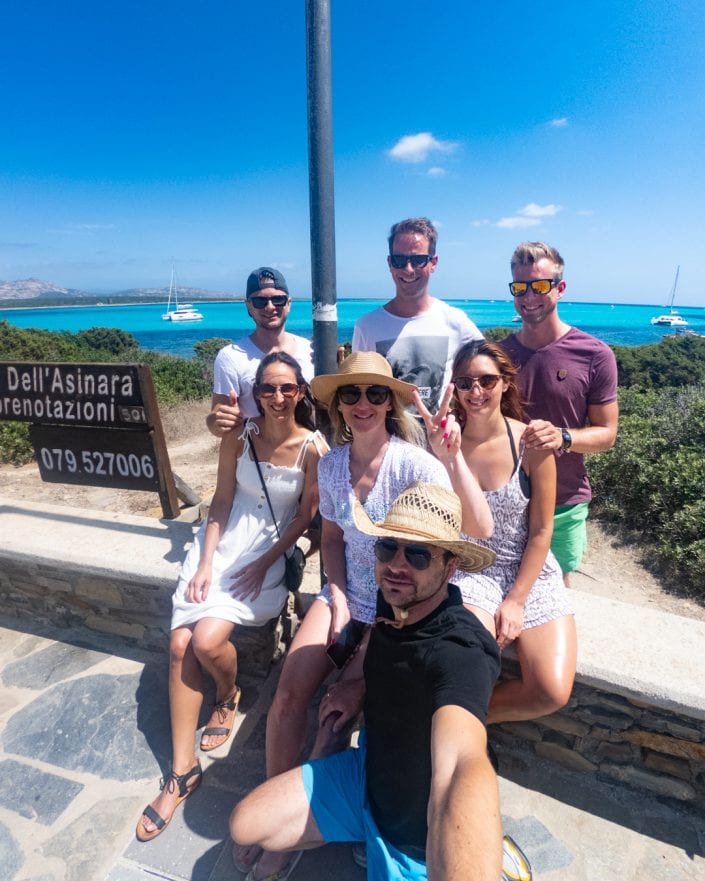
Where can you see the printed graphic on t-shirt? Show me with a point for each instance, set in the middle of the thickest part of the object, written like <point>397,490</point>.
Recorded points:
<point>420,360</point>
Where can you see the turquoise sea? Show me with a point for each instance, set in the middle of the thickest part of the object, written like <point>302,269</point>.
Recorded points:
<point>625,325</point>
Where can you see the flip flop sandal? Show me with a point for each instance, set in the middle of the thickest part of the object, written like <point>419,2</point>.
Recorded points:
<point>515,865</point>
<point>229,705</point>
<point>254,849</point>
<point>170,782</point>
<point>282,874</point>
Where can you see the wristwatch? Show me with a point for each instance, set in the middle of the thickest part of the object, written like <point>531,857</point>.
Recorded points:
<point>567,440</point>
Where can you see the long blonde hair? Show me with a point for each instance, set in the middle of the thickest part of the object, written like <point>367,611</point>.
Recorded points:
<point>398,422</point>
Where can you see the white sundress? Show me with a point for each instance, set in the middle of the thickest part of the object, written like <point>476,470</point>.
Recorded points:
<point>248,533</point>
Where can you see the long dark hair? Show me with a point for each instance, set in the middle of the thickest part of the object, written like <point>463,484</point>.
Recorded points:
<point>511,404</point>
<point>303,413</point>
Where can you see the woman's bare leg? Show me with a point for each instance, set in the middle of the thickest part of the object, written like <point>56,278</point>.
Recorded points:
<point>483,616</point>
<point>547,657</point>
<point>217,655</point>
<point>185,699</point>
<point>305,668</point>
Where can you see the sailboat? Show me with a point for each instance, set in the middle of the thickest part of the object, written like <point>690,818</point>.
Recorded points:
<point>671,318</point>
<point>183,312</point>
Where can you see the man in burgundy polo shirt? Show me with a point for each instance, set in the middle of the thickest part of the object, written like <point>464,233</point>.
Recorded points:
<point>569,381</point>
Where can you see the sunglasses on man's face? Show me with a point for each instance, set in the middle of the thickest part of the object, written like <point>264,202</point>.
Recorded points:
<point>418,261</point>
<point>540,286</point>
<point>417,556</point>
<point>488,381</point>
<point>268,390</point>
<point>375,394</point>
<point>277,300</point>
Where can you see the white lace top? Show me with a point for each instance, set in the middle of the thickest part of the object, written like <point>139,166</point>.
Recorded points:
<point>403,463</point>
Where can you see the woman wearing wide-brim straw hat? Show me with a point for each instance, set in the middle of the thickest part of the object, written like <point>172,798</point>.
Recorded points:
<point>379,452</point>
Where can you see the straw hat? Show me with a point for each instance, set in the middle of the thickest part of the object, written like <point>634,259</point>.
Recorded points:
<point>430,515</point>
<point>361,368</point>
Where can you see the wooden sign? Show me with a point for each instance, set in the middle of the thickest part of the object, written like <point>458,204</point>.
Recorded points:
<point>92,424</point>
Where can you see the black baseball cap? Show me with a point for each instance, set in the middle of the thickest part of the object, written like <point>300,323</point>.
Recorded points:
<point>265,277</point>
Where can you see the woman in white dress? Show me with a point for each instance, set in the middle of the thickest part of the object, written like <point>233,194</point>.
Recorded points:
<point>234,573</point>
<point>379,453</point>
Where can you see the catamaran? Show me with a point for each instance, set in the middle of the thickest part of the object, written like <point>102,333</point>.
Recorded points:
<point>671,318</point>
<point>183,312</point>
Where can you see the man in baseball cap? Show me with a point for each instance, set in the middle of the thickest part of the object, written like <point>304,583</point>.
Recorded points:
<point>268,303</point>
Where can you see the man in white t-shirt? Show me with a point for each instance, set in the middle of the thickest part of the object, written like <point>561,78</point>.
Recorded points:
<point>268,304</point>
<point>416,333</point>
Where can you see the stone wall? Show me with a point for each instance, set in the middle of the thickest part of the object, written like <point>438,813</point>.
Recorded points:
<point>617,739</point>
<point>136,612</point>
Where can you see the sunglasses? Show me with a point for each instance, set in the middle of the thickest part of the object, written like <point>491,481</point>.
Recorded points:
<point>487,381</point>
<point>375,394</point>
<point>277,300</point>
<point>540,286</point>
<point>417,556</point>
<point>267,390</point>
<point>418,261</point>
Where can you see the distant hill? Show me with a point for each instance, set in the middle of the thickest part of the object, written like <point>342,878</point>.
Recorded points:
<point>37,289</point>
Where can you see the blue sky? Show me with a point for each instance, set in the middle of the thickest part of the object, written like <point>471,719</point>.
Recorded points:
<point>137,133</point>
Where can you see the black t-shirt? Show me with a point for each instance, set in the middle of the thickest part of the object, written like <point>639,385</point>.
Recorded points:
<point>446,658</point>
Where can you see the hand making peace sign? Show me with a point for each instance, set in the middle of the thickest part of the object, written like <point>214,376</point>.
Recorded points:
<point>443,429</point>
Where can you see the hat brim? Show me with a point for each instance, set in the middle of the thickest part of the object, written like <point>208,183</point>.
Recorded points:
<point>471,557</point>
<point>323,387</point>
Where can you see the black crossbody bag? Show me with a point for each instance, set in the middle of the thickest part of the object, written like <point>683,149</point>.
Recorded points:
<point>295,562</point>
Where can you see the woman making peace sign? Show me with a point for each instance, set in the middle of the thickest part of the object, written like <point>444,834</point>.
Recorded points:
<point>521,596</point>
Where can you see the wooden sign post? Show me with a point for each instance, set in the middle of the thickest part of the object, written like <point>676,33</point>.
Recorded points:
<point>92,424</point>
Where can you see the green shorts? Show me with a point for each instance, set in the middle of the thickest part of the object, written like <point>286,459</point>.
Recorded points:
<point>570,535</point>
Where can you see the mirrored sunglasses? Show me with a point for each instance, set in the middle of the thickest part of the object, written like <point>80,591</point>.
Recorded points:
<point>418,261</point>
<point>375,394</point>
<point>267,390</point>
<point>417,556</point>
<point>488,381</point>
<point>277,300</point>
<point>540,286</point>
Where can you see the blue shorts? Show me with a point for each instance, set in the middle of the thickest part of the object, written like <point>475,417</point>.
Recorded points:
<point>336,788</point>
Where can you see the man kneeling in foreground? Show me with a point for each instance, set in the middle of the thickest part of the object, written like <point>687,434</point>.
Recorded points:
<point>420,790</point>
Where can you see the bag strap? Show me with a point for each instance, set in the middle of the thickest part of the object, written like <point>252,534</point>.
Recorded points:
<point>264,487</point>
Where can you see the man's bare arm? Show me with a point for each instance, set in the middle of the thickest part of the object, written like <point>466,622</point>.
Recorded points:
<point>464,827</point>
<point>596,437</point>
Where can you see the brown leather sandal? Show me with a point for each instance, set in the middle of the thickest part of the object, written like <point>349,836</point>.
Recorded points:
<point>222,708</point>
<point>170,782</point>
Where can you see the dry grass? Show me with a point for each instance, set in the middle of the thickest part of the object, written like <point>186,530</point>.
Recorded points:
<point>182,421</point>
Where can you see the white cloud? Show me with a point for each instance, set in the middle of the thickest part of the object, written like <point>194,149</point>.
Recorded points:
<point>416,148</point>
<point>436,171</point>
<point>561,122</point>
<point>586,212</point>
<point>517,222</point>
<point>483,222</point>
<point>534,210</point>
<point>529,215</point>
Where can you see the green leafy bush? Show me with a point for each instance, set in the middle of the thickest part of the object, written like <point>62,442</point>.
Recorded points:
<point>653,480</point>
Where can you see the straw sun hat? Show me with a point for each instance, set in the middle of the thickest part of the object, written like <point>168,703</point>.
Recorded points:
<point>361,368</point>
<point>430,515</point>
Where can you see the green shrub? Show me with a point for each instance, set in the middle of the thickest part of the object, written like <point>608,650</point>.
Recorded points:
<point>653,480</point>
<point>15,448</point>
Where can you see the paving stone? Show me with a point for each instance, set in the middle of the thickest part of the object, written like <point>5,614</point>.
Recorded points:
<point>545,852</point>
<point>239,772</point>
<point>190,846</point>
<point>112,726</point>
<point>50,665</point>
<point>92,839</point>
<point>34,794</point>
<point>11,858</point>
<point>125,871</point>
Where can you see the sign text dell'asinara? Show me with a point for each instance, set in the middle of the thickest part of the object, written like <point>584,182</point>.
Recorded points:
<point>79,394</point>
